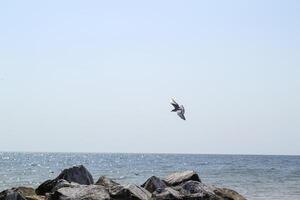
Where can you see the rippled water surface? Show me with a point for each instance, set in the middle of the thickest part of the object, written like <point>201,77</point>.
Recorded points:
<point>256,177</point>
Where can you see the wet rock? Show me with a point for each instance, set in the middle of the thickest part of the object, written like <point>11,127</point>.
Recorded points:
<point>180,177</point>
<point>129,192</point>
<point>80,192</point>
<point>154,184</point>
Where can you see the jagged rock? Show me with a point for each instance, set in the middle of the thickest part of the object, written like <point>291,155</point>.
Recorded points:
<point>196,190</point>
<point>80,192</point>
<point>120,192</point>
<point>153,184</point>
<point>192,187</point>
<point>20,193</point>
<point>46,187</point>
<point>25,191</point>
<point>52,186</point>
<point>167,194</point>
<point>180,177</point>
<point>129,192</point>
<point>106,182</point>
<point>228,194</point>
<point>11,195</point>
<point>77,174</point>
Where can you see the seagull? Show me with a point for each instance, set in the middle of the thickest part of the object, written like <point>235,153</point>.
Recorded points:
<point>178,109</point>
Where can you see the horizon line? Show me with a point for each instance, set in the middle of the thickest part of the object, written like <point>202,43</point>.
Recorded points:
<point>172,153</point>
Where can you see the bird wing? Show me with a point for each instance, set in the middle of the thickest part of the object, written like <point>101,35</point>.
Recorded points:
<point>173,102</point>
<point>181,115</point>
<point>182,109</point>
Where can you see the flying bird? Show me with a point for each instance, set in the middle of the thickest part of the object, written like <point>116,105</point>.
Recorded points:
<point>178,109</point>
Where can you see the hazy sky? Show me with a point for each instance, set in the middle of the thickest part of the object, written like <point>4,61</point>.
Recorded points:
<point>97,76</point>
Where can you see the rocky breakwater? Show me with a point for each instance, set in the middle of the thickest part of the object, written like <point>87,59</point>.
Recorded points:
<point>77,183</point>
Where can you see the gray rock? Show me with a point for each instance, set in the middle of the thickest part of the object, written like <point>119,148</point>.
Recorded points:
<point>129,192</point>
<point>192,187</point>
<point>181,177</point>
<point>80,192</point>
<point>106,182</point>
<point>153,184</point>
<point>63,183</point>
<point>196,190</point>
<point>77,174</point>
<point>76,184</point>
<point>46,187</point>
<point>167,194</point>
<point>11,195</point>
<point>228,194</point>
<point>19,193</point>
<point>122,192</point>
<point>35,197</point>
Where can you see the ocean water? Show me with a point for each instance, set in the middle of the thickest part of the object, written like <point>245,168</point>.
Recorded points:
<point>255,177</point>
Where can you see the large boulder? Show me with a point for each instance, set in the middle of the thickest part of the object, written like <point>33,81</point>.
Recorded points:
<point>129,192</point>
<point>80,192</point>
<point>154,184</point>
<point>181,177</point>
<point>77,174</point>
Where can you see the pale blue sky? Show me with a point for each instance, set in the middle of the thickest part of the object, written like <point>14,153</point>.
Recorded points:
<point>97,76</point>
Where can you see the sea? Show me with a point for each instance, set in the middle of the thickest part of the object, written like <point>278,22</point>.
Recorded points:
<point>257,177</point>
